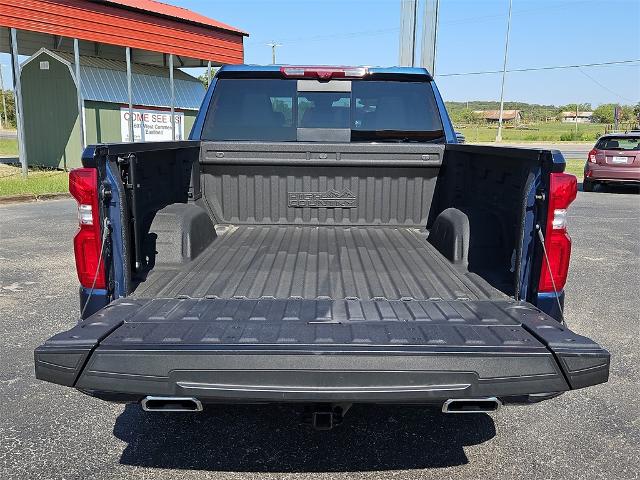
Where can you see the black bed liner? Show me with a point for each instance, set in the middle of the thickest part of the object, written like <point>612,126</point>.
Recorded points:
<point>318,262</point>
<point>320,351</point>
<point>319,314</point>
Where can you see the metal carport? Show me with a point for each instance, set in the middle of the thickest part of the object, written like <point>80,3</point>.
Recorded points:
<point>142,31</point>
<point>51,121</point>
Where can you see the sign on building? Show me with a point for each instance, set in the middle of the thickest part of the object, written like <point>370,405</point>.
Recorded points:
<point>151,125</point>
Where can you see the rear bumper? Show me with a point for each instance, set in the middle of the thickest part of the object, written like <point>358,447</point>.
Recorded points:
<point>115,359</point>
<point>374,377</point>
<point>272,377</point>
<point>608,173</point>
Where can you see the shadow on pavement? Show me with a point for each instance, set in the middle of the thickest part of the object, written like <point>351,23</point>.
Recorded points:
<point>613,188</point>
<point>266,438</point>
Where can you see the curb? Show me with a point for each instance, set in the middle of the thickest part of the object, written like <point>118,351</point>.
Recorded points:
<point>33,198</point>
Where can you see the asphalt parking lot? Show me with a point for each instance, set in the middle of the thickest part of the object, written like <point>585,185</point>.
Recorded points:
<point>54,432</point>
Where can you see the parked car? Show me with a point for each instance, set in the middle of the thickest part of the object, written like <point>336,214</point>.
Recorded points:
<point>322,239</point>
<point>615,158</point>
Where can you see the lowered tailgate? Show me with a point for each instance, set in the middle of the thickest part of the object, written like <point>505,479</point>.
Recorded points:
<point>320,350</point>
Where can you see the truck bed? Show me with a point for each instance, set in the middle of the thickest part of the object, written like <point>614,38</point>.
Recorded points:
<point>311,262</point>
<point>287,313</point>
<point>247,267</point>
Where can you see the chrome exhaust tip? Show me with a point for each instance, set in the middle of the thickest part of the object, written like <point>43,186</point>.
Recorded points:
<point>171,404</point>
<point>471,405</point>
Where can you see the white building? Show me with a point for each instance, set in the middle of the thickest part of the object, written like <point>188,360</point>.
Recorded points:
<point>582,117</point>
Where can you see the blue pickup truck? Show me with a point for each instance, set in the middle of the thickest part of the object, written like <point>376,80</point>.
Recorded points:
<point>321,239</point>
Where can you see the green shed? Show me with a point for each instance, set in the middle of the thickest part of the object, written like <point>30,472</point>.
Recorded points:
<point>51,121</point>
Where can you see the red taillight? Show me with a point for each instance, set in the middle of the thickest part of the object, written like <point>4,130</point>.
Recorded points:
<point>592,155</point>
<point>562,191</point>
<point>323,73</point>
<point>83,185</point>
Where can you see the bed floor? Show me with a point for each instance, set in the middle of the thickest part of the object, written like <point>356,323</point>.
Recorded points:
<point>284,261</point>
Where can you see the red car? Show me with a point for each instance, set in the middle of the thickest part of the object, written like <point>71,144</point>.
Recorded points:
<point>614,159</point>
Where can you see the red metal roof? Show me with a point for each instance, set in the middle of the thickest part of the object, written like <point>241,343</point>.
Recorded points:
<point>152,7</point>
<point>141,24</point>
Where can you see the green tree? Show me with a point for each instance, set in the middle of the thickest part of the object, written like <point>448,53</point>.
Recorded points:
<point>571,107</point>
<point>627,113</point>
<point>456,115</point>
<point>469,116</point>
<point>11,110</point>
<point>462,115</point>
<point>604,113</point>
<point>204,79</point>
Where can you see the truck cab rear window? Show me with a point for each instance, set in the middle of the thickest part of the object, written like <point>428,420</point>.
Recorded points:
<point>273,110</point>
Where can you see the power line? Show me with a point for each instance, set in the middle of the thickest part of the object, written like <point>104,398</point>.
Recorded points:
<point>515,13</point>
<point>316,38</point>
<point>534,69</point>
<point>385,31</point>
<point>604,86</point>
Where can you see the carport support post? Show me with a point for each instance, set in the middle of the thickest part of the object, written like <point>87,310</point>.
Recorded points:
<point>129,93</point>
<point>173,99</point>
<point>208,73</point>
<point>17,90</point>
<point>76,60</point>
<point>4,122</point>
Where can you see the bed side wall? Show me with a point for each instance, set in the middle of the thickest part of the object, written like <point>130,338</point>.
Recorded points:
<point>493,187</point>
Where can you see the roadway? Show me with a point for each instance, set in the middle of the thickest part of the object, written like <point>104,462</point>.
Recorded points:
<point>8,133</point>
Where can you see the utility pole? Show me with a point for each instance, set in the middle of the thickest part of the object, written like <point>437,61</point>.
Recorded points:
<point>504,73</point>
<point>273,46</point>
<point>408,28</point>
<point>4,123</point>
<point>429,36</point>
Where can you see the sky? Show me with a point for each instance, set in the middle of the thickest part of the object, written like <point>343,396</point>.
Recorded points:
<point>471,38</point>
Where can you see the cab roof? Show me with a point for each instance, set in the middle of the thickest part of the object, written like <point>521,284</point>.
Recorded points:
<point>280,71</point>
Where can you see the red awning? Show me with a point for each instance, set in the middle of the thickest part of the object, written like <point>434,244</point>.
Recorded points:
<point>141,24</point>
<point>162,9</point>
